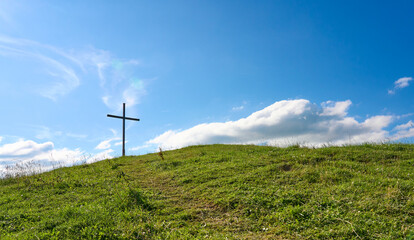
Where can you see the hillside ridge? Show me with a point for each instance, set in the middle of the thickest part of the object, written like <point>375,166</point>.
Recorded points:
<point>220,192</point>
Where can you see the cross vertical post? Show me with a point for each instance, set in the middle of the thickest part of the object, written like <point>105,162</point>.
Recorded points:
<point>123,131</point>
<point>123,126</point>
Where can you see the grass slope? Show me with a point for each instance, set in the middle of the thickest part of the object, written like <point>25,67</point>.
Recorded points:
<point>219,192</point>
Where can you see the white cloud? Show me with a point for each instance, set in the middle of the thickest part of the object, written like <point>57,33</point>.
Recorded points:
<point>400,83</point>
<point>1,138</point>
<point>106,143</point>
<point>140,147</point>
<point>101,156</point>
<point>239,108</point>
<point>409,124</point>
<point>130,97</point>
<point>406,133</point>
<point>62,156</point>
<point>282,123</point>
<point>43,154</point>
<point>124,91</point>
<point>120,143</point>
<point>24,149</point>
<point>331,108</point>
<point>42,157</point>
<point>403,82</point>
<point>113,131</point>
<point>106,100</point>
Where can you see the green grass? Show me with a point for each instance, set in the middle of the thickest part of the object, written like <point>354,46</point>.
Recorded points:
<point>219,192</point>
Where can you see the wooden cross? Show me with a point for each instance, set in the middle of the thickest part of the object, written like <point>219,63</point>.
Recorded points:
<point>123,127</point>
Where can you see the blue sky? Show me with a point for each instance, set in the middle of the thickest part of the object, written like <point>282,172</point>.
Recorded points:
<point>201,72</point>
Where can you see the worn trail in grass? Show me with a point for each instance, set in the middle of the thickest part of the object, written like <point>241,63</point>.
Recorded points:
<point>219,191</point>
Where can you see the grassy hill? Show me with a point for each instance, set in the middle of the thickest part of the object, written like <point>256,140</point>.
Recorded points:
<point>219,192</point>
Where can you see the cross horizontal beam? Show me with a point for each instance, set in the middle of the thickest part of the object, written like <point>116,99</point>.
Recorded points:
<point>127,118</point>
<point>123,125</point>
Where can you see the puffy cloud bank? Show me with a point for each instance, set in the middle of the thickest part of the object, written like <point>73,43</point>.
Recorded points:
<point>32,156</point>
<point>284,123</point>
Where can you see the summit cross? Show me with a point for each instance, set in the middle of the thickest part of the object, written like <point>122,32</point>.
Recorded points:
<point>123,126</point>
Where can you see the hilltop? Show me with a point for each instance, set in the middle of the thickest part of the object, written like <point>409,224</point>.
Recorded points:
<point>219,192</point>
